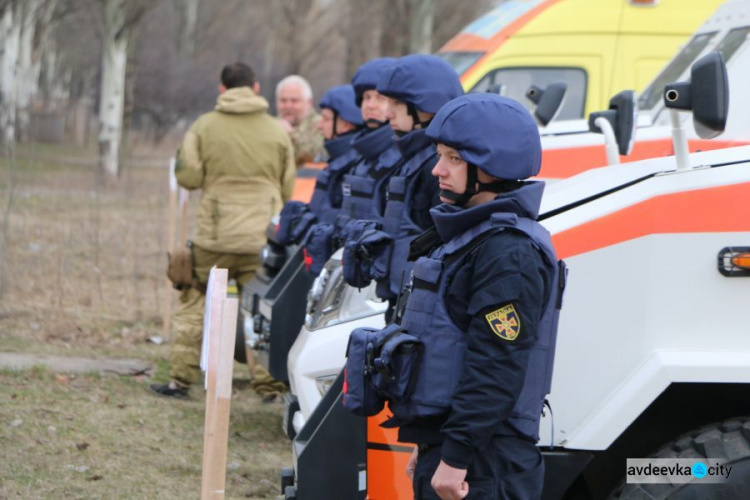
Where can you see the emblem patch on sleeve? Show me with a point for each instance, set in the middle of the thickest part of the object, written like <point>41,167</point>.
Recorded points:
<point>505,322</point>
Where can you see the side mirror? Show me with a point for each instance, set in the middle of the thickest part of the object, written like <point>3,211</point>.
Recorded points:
<point>496,88</point>
<point>548,101</point>
<point>706,94</point>
<point>622,117</point>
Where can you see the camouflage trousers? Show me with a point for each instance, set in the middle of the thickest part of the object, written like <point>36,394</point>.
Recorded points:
<point>187,322</point>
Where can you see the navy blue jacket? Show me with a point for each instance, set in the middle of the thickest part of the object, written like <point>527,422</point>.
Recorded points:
<point>427,185</point>
<point>494,368</point>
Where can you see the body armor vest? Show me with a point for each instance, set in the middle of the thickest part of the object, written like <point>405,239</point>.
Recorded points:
<point>327,198</point>
<point>425,317</point>
<point>397,223</point>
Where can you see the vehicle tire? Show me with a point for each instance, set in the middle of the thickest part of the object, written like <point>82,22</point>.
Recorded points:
<point>728,440</point>
<point>240,355</point>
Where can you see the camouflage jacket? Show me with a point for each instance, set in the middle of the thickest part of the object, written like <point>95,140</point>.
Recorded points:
<point>307,139</point>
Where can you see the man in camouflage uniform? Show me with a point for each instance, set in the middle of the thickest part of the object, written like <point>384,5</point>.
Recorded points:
<point>243,161</point>
<point>294,105</point>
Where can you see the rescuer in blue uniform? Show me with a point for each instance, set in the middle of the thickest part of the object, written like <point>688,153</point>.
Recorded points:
<point>416,86</point>
<point>312,224</point>
<point>340,120</point>
<point>482,301</point>
<point>364,188</point>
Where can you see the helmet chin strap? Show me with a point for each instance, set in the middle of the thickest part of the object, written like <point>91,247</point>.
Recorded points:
<point>416,122</point>
<point>415,117</point>
<point>472,179</point>
<point>474,186</point>
<point>376,123</point>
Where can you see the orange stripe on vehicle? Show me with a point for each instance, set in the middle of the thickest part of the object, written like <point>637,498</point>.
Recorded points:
<point>491,45</point>
<point>567,162</point>
<point>714,210</point>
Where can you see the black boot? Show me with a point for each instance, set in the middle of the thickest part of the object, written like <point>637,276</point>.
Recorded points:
<point>170,390</point>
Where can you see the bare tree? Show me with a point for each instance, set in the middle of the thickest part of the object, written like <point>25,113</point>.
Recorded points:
<point>120,19</point>
<point>27,75</point>
<point>188,10</point>
<point>420,31</point>
<point>10,35</point>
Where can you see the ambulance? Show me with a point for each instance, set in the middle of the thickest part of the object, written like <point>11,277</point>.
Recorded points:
<point>596,47</point>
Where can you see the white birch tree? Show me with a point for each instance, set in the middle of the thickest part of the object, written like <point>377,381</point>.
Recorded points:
<point>422,21</point>
<point>188,10</point>
<point>120,19</point>
<point>10,35</point>
<point>27,75</point>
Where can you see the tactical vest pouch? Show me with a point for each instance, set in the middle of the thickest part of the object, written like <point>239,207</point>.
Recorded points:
<point>180,267</point>
<point>396,363</point>
<point>377,246</point>
<point>356,261</point>
<point>340,230</point>
<point>360,397</point>
<point>294,221</point>
<point>319,247</point>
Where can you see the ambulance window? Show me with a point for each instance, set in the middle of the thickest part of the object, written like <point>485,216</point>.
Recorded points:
<point>732,42</point>
<point>652,94</point>
<point>461,61</point>
<point>516,81</point>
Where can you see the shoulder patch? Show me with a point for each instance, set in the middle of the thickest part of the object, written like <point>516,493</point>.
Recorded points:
<point>505,322</point>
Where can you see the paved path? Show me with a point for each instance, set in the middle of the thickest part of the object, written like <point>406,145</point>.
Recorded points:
<point>61,364</point>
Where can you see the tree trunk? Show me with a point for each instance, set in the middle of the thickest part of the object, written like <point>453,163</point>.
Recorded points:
<point>26,83</point>
<point>189,18</point>
<point>45,64</point>
<point>420,32</point>
<point>11,38</point>
<point>114,63</point>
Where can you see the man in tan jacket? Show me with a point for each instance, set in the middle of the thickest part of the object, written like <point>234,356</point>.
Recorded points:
<point>243,161</point>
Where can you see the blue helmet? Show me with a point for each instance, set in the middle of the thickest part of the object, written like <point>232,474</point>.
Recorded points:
<point>423,81</point>
<point>367,76</point>
<point>494,133</point>
<point>340,100</point>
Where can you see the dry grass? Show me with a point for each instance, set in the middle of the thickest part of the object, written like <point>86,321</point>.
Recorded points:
<point>83,275</point>
<point>104,437</point>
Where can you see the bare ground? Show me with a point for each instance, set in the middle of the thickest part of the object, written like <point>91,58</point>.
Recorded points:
<point>81,275</point>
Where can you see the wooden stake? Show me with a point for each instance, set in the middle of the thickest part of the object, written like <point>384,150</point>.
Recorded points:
<point>184,197</point>
<point>218,361</point>
<point>166,315</point>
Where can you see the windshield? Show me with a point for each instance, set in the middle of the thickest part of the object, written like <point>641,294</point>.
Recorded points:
<point>514,82</point>
<point>461,61</point>
<point>652,94</point>
<point>732,42</point>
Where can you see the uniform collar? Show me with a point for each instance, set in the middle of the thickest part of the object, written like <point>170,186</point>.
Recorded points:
<point>414,141</point>
<point>451,220</point>
<point>371,142</point>
<point>339,146</point>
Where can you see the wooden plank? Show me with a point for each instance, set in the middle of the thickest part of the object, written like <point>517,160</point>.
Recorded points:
<point>222,404</point>
<point>216,293</point>
<point>166,315</point>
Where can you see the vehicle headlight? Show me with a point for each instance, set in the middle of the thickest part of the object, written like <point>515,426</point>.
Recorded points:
<point>324,383</point>
<point>272,257</point>
<point>315,293</point>
<point>326,296</point>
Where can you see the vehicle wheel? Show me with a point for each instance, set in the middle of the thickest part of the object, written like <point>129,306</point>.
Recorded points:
<point>239,344</point>
<point>729,440</point>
